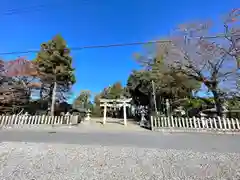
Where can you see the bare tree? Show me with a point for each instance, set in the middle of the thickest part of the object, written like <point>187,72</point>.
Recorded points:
<point>206,58</point>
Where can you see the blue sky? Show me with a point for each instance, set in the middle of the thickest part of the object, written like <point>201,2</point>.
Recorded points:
<point>96,22</point>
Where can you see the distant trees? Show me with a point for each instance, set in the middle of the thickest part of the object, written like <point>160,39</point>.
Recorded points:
<point>83,100</point>
<point>115,91</point>
<point>157,77</point>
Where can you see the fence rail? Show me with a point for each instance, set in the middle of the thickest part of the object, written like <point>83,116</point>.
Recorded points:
<point>195,124</point>
<point>34,120</point>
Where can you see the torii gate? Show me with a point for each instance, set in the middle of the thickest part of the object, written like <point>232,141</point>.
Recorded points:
<point>115,103</point>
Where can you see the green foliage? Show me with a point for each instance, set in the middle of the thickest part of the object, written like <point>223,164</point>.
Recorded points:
<point>174,84</point>
<point>168,83</point>
<point>140,80</point>
<point>233,104</point>
<point>97,111</point>
<point>193,103</point>
<point>54,63</point>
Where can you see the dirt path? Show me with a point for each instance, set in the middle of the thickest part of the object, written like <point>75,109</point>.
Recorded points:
<point>113,124</point>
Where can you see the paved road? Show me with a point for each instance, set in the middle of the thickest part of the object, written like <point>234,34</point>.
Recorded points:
<point>196,142</point>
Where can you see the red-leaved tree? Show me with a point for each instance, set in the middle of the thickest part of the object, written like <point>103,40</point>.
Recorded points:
<point>18,80</point>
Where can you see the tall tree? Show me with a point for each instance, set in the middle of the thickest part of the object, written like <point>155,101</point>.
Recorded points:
<point>207,60</point>
<point>54,64</point>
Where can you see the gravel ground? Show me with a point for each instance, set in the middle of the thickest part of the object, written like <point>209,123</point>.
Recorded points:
<point>43,161</point>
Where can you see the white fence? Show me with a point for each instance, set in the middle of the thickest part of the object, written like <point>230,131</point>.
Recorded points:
<point>195,124</point>
<point>36,120</point>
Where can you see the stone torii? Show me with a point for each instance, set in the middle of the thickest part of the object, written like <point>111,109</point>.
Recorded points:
<point>115,103</point>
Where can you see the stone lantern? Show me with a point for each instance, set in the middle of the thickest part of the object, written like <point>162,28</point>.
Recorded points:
<point>88,115</point>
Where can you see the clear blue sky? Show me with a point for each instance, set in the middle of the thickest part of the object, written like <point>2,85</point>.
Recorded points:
<point>95,22</point>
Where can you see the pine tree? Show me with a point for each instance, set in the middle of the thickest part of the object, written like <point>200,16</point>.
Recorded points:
<point>54,64</point>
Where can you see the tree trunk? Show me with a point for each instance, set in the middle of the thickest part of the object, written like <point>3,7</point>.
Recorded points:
<point>50,95</point>
<point>41,91</point>
<point>53,99</point>
<point>151,103</point>
<point>217,102</point>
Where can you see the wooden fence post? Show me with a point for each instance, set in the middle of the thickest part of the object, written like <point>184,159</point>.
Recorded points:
<point>152,128</point>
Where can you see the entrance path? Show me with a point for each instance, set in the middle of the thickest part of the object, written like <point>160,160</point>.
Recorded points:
<point>112,124</point>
